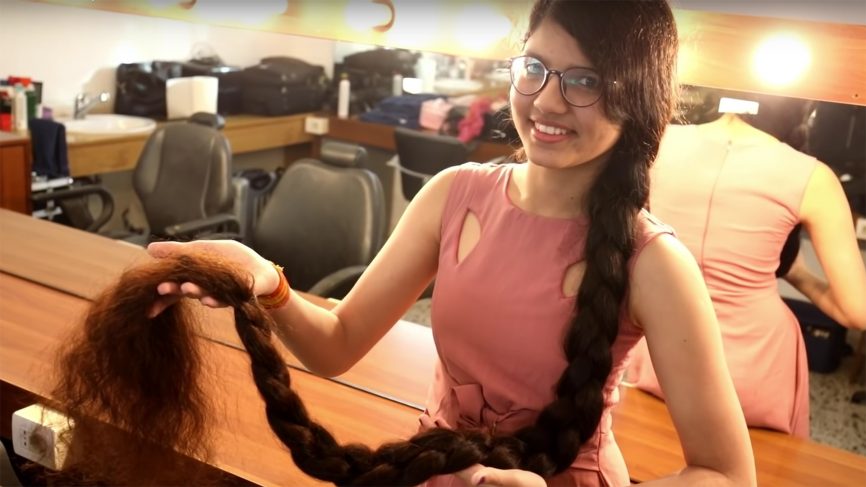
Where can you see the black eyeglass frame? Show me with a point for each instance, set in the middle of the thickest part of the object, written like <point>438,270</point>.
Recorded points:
<point>548,72</point>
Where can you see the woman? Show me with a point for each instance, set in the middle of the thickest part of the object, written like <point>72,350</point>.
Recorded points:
<point>734,192</point>
<point>517,248</point>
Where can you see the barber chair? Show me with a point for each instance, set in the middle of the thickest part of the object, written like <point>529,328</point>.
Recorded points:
<point>183,178</point>
<point>421,155</point>
<point>324,221</point>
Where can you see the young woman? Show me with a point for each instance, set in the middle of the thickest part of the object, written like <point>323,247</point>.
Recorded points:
<point>547,272</point>
<point>734,192</point>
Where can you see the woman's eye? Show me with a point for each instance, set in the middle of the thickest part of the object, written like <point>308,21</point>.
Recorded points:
<point>586,82</point>
<point>535,69</point>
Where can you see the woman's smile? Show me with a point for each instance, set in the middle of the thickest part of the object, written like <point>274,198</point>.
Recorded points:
<point>550,133</point>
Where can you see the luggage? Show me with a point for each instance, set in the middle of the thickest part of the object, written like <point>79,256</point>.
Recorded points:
<point>141,87</point>
<point>371,75</point>
<point>283,86</point>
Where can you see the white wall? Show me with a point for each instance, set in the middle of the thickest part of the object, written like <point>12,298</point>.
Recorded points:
<point>74,49</point>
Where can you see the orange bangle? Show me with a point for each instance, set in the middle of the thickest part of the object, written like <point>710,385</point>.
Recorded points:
<point>280,296</point>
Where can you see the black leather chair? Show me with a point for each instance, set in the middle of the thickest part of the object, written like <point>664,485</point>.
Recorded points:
<point>421,155</point>
<point>183,178</point>
<point>324,221</point>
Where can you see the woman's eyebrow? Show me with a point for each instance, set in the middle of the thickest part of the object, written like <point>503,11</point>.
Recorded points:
<point>547,65</point>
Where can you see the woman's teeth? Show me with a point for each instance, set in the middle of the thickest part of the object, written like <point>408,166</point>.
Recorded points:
<point>547,129</point>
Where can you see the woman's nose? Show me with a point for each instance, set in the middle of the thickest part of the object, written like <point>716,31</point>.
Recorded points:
<point>549,99</point>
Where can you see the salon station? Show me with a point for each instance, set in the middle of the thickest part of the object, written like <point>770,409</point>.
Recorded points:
<point>130,121</point>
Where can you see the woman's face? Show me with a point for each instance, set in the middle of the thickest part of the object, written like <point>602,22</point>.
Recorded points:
<point>555,134</point>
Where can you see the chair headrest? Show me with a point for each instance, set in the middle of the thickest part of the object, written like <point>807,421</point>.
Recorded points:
<point>213,120</point>
<point>343,155</point>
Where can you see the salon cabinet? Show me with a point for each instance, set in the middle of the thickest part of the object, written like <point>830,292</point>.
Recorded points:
<point>15,172</point>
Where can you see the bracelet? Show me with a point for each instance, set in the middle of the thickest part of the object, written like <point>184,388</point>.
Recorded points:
<point>280,296</point>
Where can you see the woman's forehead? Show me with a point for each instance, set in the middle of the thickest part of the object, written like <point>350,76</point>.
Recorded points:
<point>555,47</point>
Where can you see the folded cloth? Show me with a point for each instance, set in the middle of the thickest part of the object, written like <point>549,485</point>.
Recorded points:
<point>48,140</point>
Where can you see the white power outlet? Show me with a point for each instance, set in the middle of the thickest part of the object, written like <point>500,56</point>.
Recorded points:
<point>316,125</point>
<point>36,435</point>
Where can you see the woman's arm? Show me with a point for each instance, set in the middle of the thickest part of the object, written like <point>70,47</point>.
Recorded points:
<point>330,342</point>
<point>668,298</point>
<point>827,218</point>
<point>393,281</point>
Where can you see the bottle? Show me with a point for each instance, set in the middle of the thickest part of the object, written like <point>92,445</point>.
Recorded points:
<point>397,85</point>
<point>343,95</point>
<point>19,109</point>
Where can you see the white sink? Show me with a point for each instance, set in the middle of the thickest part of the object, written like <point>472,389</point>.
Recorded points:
<point>108,125</point>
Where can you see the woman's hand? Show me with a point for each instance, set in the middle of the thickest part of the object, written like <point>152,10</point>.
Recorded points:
<point>479,475</point>
<point>264,275</point>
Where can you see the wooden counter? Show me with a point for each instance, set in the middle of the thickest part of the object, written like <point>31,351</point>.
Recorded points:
<point>15,169</point>
<point>243,442</point>
<point>246,133</point>
<point>395,373</point>
<point>382,136</point>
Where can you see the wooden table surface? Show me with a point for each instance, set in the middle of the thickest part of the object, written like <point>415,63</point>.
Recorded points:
<point>90,154</point>
<point>67,266</point>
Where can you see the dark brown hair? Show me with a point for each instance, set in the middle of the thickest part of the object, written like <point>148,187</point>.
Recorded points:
<point>142,375</point>
<point>633,45</point>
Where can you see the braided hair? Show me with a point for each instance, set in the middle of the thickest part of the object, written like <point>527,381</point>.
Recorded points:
<point>119,351</point>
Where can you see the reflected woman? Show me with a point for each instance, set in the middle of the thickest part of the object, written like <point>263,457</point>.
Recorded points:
<point>734,193</point>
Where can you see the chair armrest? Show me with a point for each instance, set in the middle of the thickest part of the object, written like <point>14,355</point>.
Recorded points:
<point>212,223</point>
<point>337,281</point>
<point>77,192</point>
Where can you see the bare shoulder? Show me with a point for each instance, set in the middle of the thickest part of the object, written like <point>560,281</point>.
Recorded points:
<point>664,274</point>
<point>661,258</point>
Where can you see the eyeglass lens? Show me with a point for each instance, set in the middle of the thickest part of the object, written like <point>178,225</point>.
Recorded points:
<point>580,86</point>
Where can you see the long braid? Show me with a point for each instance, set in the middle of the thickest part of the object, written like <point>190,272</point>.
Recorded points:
<point>105,375</point>
<point>619,37</point>
<point>613,35</point>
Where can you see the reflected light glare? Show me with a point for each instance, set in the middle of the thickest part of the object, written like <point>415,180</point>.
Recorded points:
<point>781,60</point>
<point>363,15</point>
<point>478,26</point>
<point>416,25</point>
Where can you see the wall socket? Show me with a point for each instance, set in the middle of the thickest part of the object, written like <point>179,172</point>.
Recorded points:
<point>37,433</point>
<point>316,125</point>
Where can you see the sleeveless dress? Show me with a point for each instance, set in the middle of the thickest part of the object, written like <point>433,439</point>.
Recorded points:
<point>733,205</point>
<point>499,317</point>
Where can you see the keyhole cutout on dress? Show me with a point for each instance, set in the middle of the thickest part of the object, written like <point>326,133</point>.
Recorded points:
<point>572,279</point>
<point>469,236</point>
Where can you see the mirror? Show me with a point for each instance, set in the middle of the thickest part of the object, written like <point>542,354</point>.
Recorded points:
<point>834,133</point>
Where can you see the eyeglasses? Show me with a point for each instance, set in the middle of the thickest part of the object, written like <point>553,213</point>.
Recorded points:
<point>580,87</point>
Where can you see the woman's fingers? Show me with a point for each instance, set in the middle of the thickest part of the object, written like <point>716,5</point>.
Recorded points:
<point>172,292</point>
<point>194,291</point>
<point>164,249</point>
<point>479,475</point>
<point>162,304</point>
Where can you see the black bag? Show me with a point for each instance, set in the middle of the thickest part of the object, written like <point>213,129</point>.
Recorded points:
<point>387,62</point>
<point>141,87</point>
<point>283,86</point>
<point>371,74</point>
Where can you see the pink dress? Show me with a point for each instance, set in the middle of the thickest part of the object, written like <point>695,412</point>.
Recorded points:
<point>733,205</point>
<point>499,317</point>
